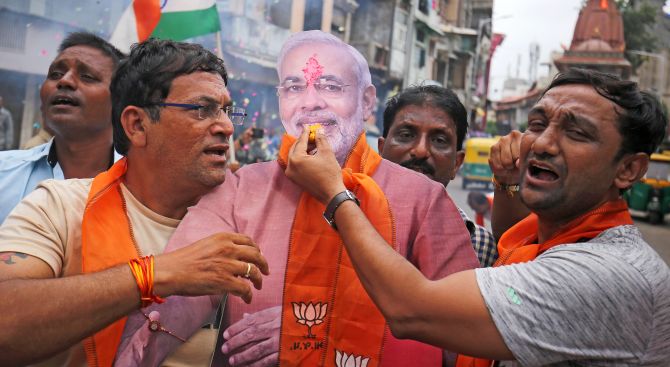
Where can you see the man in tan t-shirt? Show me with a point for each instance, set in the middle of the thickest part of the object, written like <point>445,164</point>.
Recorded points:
<point>65,248</point>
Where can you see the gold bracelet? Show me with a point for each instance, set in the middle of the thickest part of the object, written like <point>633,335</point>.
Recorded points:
<point>510,189</point>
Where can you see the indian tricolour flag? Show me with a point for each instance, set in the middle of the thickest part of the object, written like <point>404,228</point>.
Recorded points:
<point>168,19</point>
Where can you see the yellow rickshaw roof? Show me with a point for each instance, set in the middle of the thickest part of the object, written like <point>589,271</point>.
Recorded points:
<point>660,157</point>
<point>481,142</point>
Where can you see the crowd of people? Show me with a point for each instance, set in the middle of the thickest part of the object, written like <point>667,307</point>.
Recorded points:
<point>126,239</point>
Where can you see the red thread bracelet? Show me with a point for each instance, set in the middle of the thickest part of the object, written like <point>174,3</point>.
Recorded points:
<point>143,271</point>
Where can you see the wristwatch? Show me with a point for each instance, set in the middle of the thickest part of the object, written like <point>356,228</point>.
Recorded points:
<point>335,202</point>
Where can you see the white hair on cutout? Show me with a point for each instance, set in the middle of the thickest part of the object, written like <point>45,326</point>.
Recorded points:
<point>296,40</point>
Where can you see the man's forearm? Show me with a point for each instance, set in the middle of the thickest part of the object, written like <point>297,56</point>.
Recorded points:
<point>506,212</point>
<point>385,274</point>
<point>42,317</point>
<point>449,313</point>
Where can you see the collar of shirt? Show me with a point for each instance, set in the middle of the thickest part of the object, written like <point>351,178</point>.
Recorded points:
<point>470,225</point>
<point>52,156</point>
<point>22,170</point>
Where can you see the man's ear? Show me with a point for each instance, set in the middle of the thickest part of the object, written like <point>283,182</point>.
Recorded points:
<point>380,144</point>
<point>369,100</point>
<point>631,168</point>
<point>134,120</point>
<point>460,156</point>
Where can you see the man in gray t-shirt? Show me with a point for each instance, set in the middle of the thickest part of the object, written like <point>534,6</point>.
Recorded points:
<point>575,284</point>
<point>602,302</point>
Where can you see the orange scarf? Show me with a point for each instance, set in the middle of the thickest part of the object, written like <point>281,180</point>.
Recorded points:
<point>106,241</point>
<point>326,311</point>
<point>517,244</point>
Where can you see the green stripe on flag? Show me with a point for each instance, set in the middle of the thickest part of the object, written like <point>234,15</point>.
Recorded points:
<point>181,25</point>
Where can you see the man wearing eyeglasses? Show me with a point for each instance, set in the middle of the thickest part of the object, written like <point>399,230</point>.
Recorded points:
<point>313,310</point>
<point>79,256</point>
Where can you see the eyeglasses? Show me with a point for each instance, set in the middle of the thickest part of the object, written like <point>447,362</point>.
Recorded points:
<point>328,89</point>
<point>212,111</point>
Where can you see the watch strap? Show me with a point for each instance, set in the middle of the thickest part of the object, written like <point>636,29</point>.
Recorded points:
<point>335,202</point>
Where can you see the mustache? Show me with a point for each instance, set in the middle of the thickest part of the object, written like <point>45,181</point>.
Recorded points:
<point>311,117</point>
<point>420,164</point>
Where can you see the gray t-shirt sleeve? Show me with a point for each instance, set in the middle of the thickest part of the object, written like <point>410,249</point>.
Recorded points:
<point>571,304</point>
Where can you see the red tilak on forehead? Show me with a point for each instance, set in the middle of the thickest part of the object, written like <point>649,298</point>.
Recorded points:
<point>312,70</point>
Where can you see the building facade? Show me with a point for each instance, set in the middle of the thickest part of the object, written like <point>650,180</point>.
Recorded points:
<point>405,42</point>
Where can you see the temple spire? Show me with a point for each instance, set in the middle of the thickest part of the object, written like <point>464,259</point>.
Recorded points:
<point>597,42</point>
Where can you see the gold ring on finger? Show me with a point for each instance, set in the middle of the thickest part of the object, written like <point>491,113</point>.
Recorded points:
<point>248,273</point>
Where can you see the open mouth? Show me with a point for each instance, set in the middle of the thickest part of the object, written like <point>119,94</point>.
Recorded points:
<point>542,173</point>
<point>217,151</point>
<point>64,101</point>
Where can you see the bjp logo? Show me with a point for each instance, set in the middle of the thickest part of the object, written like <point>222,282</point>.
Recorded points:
<point>309,314</point>
<point>349,360</point>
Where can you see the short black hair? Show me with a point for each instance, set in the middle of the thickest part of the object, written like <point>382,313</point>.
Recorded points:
<point>93,41</point>
<point>144,78</point>
<point>429,95</point>
<point>642,120</point>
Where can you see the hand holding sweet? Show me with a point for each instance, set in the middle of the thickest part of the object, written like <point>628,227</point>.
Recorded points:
<point>319,174</point>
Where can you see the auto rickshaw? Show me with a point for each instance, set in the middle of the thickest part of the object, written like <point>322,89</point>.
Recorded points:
<point>476,163</point>
<point>650,197</point>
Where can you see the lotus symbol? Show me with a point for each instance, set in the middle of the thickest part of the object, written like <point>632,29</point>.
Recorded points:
<point>309,314</point>
<point>349,360</point>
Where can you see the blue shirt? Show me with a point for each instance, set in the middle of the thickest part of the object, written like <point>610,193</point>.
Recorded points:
<point>22,170</point>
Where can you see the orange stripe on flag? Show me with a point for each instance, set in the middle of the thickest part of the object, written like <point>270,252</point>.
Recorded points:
<point>147,15</point>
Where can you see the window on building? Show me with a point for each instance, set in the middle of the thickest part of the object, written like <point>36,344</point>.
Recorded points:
<point>381,56</point>
<point>421,57</point>
<point>313,11</point>
<point>423,6</point>
<point>420,35</point>
<point>457,69</point>
<point>440,72</point>
<point>12,33</point>
<point>338,27</point>
<point>278,14</point>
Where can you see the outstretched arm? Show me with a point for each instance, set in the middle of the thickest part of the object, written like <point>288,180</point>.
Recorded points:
<point>449,313</point>
<point>49,315</point>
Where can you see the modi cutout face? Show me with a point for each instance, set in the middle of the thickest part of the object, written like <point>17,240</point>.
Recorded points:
<point>318,84</point>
